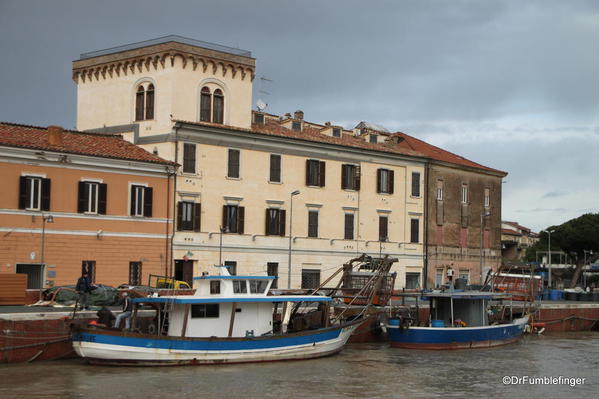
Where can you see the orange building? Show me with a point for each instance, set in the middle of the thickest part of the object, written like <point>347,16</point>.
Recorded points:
<point>74,201</point>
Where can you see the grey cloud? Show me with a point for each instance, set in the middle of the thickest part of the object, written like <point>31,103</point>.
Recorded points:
<point>509,84</point>
<point>554,194</point>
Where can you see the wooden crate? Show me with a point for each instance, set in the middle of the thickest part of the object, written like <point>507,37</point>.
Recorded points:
<point>12,288</point>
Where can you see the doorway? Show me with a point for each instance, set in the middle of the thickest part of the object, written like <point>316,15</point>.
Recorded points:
<point>184,271</point>
<point>34,274</point>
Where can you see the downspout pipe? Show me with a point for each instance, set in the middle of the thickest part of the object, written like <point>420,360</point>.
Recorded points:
<point>427,195</point>
<point>176,128</point>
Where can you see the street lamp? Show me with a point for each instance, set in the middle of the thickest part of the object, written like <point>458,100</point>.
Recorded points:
<point>584,279</point>
<point>45,219</point>
<point>293,194</point>
<point>482,227</point>
<point>549,258</point>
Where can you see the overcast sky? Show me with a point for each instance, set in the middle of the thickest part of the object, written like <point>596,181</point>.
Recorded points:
<point>510,84</point>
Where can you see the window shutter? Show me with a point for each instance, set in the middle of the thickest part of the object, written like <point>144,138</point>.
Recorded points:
<point>225,221</point>
<point>45,203</point>
<point>357,179</point>
<point>197,216</point>
<point>383,221</point>
<point>139,104</point>
<point>179,215</point>
<point>150,102</point>
<point>132,204</point>
<point>102,191</point>
<point>378,180</point>
<point>23,197</point>
<point>81,203</point>
<point>240,219</point>
<point>267,225</point>
<point>349,226</point>
<point>344,177</point>
<point>233,166</point>
<point>307,172</point>
<point>415,184</point>
<point>391,181</point>
<point>321,173</point>
<point>282,218</point>
<point>148,194</point>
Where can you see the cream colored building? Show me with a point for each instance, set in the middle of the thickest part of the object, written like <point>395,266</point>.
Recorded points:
<point>190,102</point>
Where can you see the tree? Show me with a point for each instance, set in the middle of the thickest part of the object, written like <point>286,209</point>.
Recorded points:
<point>575,237</point>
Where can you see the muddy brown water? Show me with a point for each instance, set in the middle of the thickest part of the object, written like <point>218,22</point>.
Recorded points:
<point>360,371</point>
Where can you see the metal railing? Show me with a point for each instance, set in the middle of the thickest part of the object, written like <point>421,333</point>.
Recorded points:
<point>166,39</point>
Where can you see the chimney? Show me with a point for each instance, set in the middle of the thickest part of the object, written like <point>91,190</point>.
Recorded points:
<point>55,135</point>
<point>298,115</point>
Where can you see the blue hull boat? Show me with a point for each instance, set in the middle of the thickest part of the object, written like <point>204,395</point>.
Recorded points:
<point>454,337</point>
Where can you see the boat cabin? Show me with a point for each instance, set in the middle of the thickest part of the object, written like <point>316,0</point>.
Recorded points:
<point>225,306</point>
<point>461,309</point>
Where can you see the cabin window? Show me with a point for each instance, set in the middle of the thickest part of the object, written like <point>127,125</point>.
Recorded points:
<point>231,267</point>
<point>336,132</point>
<point>205,310</point>
<point>259,119</point>
<point>374,138</point>
<point>297,126</point>
<point>215,287</point>
<point>258,286</point>
<point>240,287</point>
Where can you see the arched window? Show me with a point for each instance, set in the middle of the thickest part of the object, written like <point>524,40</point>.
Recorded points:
<point>205,104</point>
<point>219,106</point>
<point>139,103</point>
<point>144,102</point>
<point>150,102</point>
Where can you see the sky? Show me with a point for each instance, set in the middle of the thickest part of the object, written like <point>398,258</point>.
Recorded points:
<point>513,85</point>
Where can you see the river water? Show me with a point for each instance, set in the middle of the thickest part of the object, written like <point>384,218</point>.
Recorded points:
<point>360,371</point>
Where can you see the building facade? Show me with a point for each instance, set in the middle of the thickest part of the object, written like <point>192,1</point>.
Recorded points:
<point>190,102</point>
<point>463,215</point>
<point>76,201</point>
<point>515,240</point>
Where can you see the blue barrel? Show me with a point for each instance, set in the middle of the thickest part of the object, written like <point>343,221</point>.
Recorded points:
<point>555,295</point>
<point>437,323</point>
<point>545,295</point>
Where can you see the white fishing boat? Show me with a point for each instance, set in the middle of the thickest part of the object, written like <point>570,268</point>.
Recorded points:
<point>229,319</point>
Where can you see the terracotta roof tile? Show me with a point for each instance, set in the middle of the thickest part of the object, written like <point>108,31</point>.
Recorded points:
<point>273,128</point>
<point>440,154</point>
<point>74,142</point>
<point>510,232</point>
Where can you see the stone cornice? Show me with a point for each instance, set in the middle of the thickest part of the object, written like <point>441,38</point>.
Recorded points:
<point>159,57</point>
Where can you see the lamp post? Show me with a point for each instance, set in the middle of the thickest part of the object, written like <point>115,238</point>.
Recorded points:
<point>549,258</point>
<point>293,194</point>
<point>45,219</point>
<point>482,215</point>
